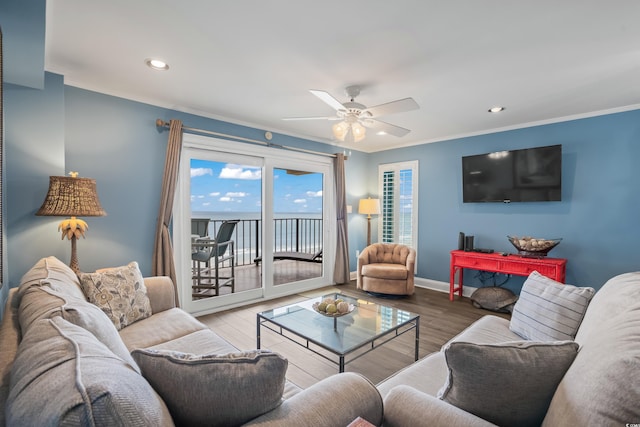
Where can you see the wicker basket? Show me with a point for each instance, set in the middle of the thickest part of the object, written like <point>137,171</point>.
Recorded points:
<point>531,246</point>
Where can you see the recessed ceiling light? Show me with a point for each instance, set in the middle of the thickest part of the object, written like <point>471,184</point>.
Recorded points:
<point>381,132</point>
<point>157,64</point>
<point>495,109</point>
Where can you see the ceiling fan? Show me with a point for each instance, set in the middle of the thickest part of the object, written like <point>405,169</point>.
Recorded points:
<point>355,117</point>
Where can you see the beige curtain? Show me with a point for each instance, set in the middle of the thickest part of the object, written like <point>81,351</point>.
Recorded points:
<point>341,272</point>
<point>163,264</point>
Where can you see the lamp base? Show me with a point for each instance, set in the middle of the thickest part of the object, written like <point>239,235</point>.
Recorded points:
<point>369,230</point>
<point>74,256</point>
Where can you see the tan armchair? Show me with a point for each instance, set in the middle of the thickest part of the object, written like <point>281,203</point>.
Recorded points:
<point>387,268</point>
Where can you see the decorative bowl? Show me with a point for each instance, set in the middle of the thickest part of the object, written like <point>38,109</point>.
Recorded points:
<point>531,246</point>
<point>336,314</point>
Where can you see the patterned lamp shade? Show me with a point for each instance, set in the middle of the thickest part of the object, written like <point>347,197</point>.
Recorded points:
<point>69,196</point>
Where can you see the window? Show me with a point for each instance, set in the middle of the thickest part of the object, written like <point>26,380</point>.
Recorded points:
<point>399,198</point>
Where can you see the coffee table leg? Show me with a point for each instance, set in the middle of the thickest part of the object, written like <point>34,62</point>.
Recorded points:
<point>341,369</point>
<point>417,337</point>
<point>258,332</point>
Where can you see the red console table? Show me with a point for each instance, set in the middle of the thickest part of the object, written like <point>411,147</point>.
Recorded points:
<point>553,268</point>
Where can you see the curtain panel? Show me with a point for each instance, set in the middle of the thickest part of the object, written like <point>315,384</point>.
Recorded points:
<point>163,264</point>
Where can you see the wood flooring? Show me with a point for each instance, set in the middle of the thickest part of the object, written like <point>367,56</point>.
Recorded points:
<point>440,320</point>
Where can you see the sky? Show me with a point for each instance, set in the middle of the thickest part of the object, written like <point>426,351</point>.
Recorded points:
<point>227,187</point>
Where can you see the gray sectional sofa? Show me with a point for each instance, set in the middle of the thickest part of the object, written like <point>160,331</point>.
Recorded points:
<point>63,362</point>
<point>601,385</point>
<point>567,357</point>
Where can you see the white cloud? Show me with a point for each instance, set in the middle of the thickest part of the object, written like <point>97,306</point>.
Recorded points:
<point>214,194</point>
<point>300,201</point>
<point>225,199</point>
<point>236,194</point>
<point>206,204</point>
<point>240,172</point>
<point>314,193</point>
<point>201,172</point>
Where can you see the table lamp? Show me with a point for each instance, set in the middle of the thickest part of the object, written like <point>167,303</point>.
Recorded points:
<point>71,196</point>
<point>369,207</point>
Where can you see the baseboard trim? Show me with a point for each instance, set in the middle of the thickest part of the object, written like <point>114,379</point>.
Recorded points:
<point>434,285</point>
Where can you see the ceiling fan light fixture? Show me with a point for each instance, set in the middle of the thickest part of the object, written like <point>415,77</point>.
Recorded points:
<point>359,132</point>
<point>340,130</point>
<point>352,132</point>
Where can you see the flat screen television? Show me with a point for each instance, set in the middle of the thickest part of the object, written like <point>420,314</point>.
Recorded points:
<point>528,175</point>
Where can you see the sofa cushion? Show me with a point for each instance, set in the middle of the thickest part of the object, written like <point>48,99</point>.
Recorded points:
<point>507,384</point>
<point>47,274</point>
<point>215,390</point>
<point>53,273</point>
<point>63,375</point>
<point>602,386</point>
<point>548,310</point>
<point>94,320</point>
<point>119,292</point>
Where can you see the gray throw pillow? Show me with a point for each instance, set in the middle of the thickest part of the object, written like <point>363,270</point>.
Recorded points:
<point>119,292</point>
<point>215,390</point>
<point>62,375</point>
<point>548,310</point>
<point>508,384</point>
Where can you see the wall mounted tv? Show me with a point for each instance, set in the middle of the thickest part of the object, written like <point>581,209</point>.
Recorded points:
<point>528,175</point>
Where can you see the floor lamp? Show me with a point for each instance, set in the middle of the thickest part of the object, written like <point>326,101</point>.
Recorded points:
<point>369,207</point>
<point>72,196</point>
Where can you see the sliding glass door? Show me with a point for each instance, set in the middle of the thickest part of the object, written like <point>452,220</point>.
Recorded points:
<point>249,227</point>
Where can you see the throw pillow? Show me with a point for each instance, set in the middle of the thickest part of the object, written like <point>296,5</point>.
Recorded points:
<point>62,375</point>
<point>215,390</point>
<point>119,292</point>
<point>548,310</point>
<point>507,384</point>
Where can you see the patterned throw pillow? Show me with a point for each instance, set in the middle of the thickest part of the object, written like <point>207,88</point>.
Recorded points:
<point>548,310</point>
<point>119,292</point>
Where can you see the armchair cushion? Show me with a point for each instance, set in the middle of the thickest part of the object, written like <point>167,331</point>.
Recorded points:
<point>386,271</point>
<point>215,390</point>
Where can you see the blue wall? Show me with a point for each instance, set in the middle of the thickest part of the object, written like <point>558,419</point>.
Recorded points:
<point>51,129</point>
<point>597,217</point>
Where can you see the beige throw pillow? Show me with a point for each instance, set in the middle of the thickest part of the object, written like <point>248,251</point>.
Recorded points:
<point>119,292</point>
<point>508,384</point>
<point>215,390</point>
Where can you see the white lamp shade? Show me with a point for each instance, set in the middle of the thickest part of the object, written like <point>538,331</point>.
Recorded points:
<point>369,206</point>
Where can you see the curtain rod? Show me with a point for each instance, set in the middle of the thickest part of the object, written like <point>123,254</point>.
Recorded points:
<point>162,124</point>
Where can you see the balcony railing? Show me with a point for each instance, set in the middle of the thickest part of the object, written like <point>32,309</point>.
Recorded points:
<point>303,235</point>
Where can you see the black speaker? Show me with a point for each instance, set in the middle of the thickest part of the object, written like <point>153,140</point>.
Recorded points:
<point>461,241</point>
<point>468,243</point>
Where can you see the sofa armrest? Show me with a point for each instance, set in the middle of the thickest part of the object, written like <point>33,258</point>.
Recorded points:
<point>336,400</point>
<point>161,293</point>
<point>406,406</point>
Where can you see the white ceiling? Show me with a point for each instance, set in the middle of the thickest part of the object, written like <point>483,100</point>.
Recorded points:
<point>253,62</point>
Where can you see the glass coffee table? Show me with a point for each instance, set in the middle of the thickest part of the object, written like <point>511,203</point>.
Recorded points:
<point>352,335</point>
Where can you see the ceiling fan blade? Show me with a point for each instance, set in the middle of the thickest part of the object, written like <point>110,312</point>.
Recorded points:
<point>312,118</point>
<point>328,99</point>
<point>385,127</point>
<point>399,106</point>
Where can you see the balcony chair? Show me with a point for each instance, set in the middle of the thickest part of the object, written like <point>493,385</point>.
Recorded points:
<point>387,269</point>
<point>212,254</point>
<point>200,227</point>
